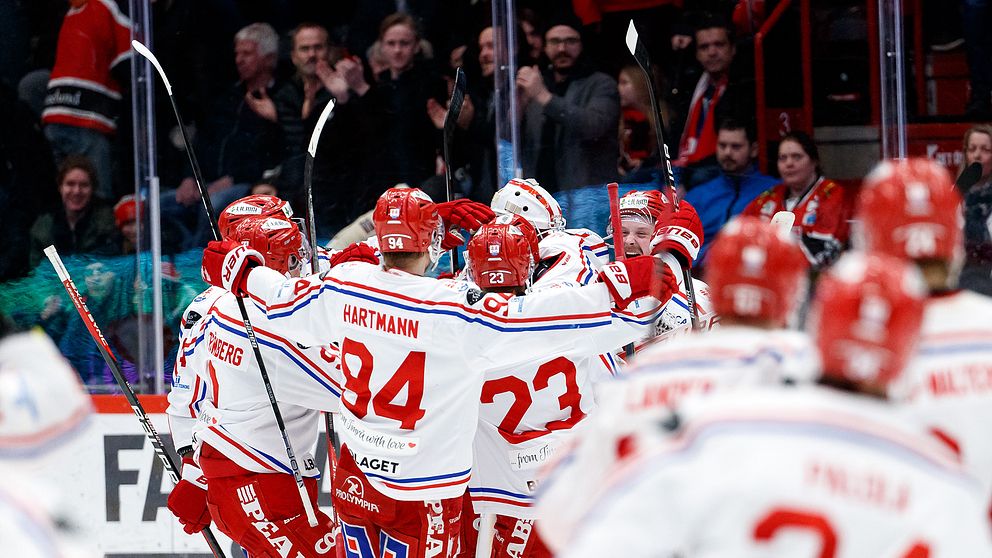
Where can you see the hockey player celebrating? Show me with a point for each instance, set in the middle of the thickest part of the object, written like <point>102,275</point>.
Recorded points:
<point>527,409</point>
<point>807,470</point>
<point>758,279</point>
<point>645,230</point>
<point>911,209</point>
<point>410,401</point>
<point>240,465</point>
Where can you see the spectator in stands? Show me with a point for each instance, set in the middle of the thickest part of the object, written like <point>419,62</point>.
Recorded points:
<point>717,96</point>
<point>84,223</point>
<point>239,139</point>
<point>738,183</point>
<point>821,207</point>
<point>25,163</point>
<point>84,91</point>
<point>570,114</point>
<point>978,212</point>
<point>126,213</point>
<point>533,33</point>
<point>322,73</point>
<point>637,142</point>
<point>407,142</point>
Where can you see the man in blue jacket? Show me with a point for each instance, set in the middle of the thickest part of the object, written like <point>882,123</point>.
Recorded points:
<point>739,182</point>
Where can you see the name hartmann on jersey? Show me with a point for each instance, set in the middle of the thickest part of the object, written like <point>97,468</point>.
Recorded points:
<point>379,321</point>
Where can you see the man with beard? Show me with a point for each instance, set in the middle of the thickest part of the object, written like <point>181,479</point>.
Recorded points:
<point>571,115</point>
<point>738,183</point>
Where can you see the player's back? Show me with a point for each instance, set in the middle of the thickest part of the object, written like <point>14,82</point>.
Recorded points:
<point>661,376</point>
<point>948,384</point>
<point>802,471</point>
<point>233,411</point>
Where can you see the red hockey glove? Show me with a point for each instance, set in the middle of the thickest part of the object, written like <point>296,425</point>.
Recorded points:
<point>464,214</point>
<point>683,235</point>
<point>638,277</point>
<point>356,252</point>
<point>226,264</point>
<point>188,500</point>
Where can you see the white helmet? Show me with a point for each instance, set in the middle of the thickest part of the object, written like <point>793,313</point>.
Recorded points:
<point>526,198</point>
<point>42,401</point>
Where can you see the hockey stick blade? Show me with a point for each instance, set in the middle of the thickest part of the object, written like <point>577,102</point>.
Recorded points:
<point>455,104</point>
<point>115,369</point>
<point>783,221</point>
<point>143,50</point>
<point>325,115</point>
<point>969,177</point>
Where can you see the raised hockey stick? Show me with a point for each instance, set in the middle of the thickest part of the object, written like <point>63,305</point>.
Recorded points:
<point>640,53</point>
<point>208,206</point>
<point>325,115</point>
<point>115,369</point>
<point>450,120</point>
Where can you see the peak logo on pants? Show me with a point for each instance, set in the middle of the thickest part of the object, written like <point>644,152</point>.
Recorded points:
<point>269,530</point>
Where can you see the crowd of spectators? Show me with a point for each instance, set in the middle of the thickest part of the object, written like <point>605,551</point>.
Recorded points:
<point>252,79</point>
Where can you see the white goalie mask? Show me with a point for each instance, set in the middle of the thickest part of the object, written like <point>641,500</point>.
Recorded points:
<point>526,198</point>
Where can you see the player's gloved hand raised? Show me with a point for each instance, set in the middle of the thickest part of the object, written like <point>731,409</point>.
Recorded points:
<point>188,500</point>
<point>683,235</point>
<point>465,214</point>
<point>638,277</point>
<point>356,252</point>
<point>226,264</point>
<point>462,214</point>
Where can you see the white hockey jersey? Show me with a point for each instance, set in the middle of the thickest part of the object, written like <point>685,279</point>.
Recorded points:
<point>675,318</point>
<point>187,390</point>
<point>226,395</point>
<point>662,375</point>
<point>528,411</point>
<point>948,384</point>
<point>413,354</point>
<point>802,471</point>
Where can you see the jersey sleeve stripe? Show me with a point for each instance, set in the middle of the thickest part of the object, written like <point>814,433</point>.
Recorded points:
<point>244,450</point>
<point>569,321</point>
<point>283,346</point>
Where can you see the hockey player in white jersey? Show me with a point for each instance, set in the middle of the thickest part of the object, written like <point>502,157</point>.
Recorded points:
<point>649,226</point>
<point>911,209</point>
<point>43,407</point>
<point>829,471</point>
<point>240,471</point>
<point>758,279</point>
<point>413,354</point>
<point>527,410</point>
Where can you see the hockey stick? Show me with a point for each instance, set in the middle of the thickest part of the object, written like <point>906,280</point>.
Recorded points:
<point>969,177</point>
<point>640,53</point>
<point>325,115</point>
<point>487,529</point>
<point>450,120</point>
<point>115,369</point>
<point>208,206</point>
<point>613,189</point>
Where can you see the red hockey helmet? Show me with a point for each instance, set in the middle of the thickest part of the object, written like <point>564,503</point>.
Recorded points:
<point>910,209</point>
<point>406,220</point>
<point>755,271</point>
<point>501,255</point>
<point>256,205</point>
<point>278,240</point>
<point>866,317</point>
<point>526,228</point>
<point>684,235</point>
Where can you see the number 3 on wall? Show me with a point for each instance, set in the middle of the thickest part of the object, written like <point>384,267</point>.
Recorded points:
<point>780,519</point>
